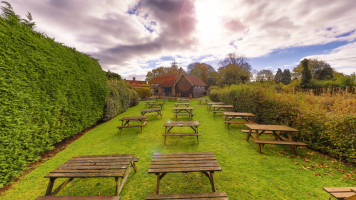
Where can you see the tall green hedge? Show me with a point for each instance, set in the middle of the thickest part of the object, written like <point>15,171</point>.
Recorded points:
<point>327,122</point>
<point>48,92</point>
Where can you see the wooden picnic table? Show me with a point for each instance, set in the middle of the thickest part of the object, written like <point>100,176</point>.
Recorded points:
<point>277,131</point>
<point>157,104</point>
<point>182,104</point>
<point>230,116</point>
<point>210,104</point>
<point>183,111</point>
<point>126,122</point>
<point>169,125</point>
<point>152,110</point>
<point>347,193</point>
<point>149,102</point>
<point>117,166</point>
<point>204,162</point>
<point>201,100</point>
<point>183,100</point>
<point>222,108</point>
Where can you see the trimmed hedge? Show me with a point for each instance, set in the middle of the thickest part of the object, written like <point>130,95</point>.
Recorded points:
<point>49,92</point>
<point>327,122</point>
<point>143,92</point>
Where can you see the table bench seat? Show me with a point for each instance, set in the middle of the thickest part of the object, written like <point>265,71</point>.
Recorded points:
<point>192,196</point>
<point>182,134</point>
<point>78,198</point>
<point>347,193</point>
<point>247,131</point>
<point>184,114</point>
<point>279,142</point>
<point>236,122</point>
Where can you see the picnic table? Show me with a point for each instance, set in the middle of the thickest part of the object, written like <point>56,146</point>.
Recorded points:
<point>126,122</point>
<point>222,108</point>
<point>204,162</point>
<point>157,104</point>
<point>277,131</point>
<point>230,116</point>
<point>169,125</point>
<point>182,104</point>
<point>201,100</point>
<point>152,110</point>
<point>213,103</point>
<point>183,111</point>
<point>347,193</point>
<point>149,102</point>
<point>117,166</point>
<point>183,100</point>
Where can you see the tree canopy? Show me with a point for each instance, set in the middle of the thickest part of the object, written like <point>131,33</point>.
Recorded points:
<point>320,70</point>
<point>204,71</point>
<point>161,71</point>
<point>264,75</point>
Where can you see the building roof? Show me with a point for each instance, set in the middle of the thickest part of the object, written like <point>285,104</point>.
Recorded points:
<point>135,83</point>
<point>171,80</point>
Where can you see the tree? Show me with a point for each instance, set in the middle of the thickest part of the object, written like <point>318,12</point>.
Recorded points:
<point>279,76</point>
<point>112,75</point>
<point>206,72</point>
<point>286,77</point>
<point>161,71</point>
<point>320,70</point>
<point>264,75</point>
<point>234,69</point>
<point>10,16</point>
<point>306,74</point>
<point>234,59</point>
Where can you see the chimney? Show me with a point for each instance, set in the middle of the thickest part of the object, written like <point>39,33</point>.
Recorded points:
<point>134,78</point>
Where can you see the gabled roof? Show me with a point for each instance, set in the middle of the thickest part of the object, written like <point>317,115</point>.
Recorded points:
<point>171,80</point>
<point>135,83</point>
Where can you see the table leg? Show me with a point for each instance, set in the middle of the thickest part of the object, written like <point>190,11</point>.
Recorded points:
<point>122,126</point>
<point>50,186</point>
<point>159,177</point>
<point>292,147</point>
<point>211,179</point>
<point>248,135</point>
<point>117,180</point>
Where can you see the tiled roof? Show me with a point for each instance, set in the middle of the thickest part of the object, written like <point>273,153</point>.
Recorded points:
<point>170,80</point>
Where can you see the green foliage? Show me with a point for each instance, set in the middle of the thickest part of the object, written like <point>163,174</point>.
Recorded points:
<point>161,71</point>
<point>143,92</point>
<point>204,71</point>
<point>112,75</point>
<point>320,70</point>
<point>264,75</point>
<point>134,97</point>
<point>279,76</point>
<point>286,77</point>
<point>306,74</point>
<point>327,122</point>
<point>48,92</point>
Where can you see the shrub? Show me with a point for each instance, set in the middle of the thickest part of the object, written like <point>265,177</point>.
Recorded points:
<point>134,98</point>
<point>327,122</point>
<point>49,92</point>
<point>143,92</point>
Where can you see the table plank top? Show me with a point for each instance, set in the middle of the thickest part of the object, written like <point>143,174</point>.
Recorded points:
<point>239,114</point>
<point>181,123</point>
<point>133,118</point>
<point>151,110</point>
<point>222,106</point>
<point>271,127</point>
<point>93,166</point>
<point>182,104</point>
<point>216,103</point>
<point>157,103</point>
<point>183,108</point>
<point>184,162</point>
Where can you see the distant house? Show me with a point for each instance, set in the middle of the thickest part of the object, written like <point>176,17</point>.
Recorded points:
<point>135,83</point>
<point>178,86</point>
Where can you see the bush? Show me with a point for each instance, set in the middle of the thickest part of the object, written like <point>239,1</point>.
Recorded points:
<point>134,98</point>
<point>327,122</point>
<point>49,92</point>
<point>143,92</point>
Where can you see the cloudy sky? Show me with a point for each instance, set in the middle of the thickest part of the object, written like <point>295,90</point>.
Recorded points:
<point>132,37</point>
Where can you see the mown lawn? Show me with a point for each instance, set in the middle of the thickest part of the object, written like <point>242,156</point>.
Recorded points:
<point>245,174</point>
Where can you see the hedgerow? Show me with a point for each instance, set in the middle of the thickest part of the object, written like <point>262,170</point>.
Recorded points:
<point>327,122</point>
<point>143,92</point>
<point>48,92</point>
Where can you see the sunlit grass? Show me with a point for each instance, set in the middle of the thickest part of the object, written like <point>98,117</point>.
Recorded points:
<point>245,174</point>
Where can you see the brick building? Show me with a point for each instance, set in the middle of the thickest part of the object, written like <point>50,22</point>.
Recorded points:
<point>184,85</point>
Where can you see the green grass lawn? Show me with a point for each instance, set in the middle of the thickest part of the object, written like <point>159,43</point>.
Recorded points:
<point>246,174</point>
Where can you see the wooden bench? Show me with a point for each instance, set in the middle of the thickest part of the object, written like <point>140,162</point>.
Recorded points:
<point>192,196</point>
<point>347,193</point>
<point>78,198</point>
<point>277,142</point>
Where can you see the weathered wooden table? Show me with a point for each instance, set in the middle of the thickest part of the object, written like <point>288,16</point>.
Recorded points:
<point>149,102</point>
<point>347,193</point>
<point>157,104</point>
<point>222,108</point>
<point>183,111</point>
<point>93,166</point>
<point>210,104</point>
<point>182,104</point>
<point>277,131</point>
<point>183,100</point>
<point>126,122</point>
<point>201,100</point>
<point>230,116</point>
<point>169,125</point>
<point>152,110</point>
<point>204,162</point>
<point>190,196</point>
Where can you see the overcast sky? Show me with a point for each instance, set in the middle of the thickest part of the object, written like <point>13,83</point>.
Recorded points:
<point>131,37</point>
